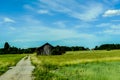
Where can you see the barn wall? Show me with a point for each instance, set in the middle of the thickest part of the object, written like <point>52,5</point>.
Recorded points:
<point>47,50</point>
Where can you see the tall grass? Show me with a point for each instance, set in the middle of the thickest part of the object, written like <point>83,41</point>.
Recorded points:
<point>90,71</point>
<point>78,65</point>
<point>9,60</point>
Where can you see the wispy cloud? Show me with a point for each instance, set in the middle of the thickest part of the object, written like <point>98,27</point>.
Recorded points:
<point>109,13</point>
<point>38,31</point>
<point>103,25</point>
<point>42,11</point>
<point>111,2</point>
<point>111,29</point>
<point>8,20</point>
<point>72,21</point>
<point>47,34</point>
<point>36,10</point>
<point>88,11</point>
<point>12,28</point>
<point>27,6</point>
<point>116,20</point>
<point>60,24</point>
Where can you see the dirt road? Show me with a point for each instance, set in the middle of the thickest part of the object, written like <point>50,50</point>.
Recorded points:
<point>22,71</point>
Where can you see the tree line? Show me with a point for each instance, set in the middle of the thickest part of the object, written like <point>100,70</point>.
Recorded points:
<point>107,47</point>
<point>14,50</point>
<point>58,50</point>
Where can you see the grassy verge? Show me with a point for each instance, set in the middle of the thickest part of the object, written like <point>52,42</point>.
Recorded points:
<point>9,60</point>
<point>79,65</point>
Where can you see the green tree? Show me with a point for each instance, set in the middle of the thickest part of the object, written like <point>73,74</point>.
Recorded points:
<point>6,48</point>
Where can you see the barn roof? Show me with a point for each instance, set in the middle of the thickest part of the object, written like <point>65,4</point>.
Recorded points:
<point>44,45</point>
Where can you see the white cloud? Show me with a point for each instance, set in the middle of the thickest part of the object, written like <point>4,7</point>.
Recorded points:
<point>91,12</point>
<point>12,28</point>
<point>82,25</point>
<point>60,24</point>
<point>26,6</point>
<point>50,34</point>
<point>43,11</point>
<point>35,30</point>
<point>104,25</point>
<point>116,27</point>
<point>37,10</point>
<point>116,20</point>
<point>8,20</point>
<point>112,30</point>
<point>111,13</point>
<point>86,12</point>
<point>111,2</point>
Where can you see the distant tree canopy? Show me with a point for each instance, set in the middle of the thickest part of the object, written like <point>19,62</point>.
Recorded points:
<point>58,50</point>
<point>14,50</point>
<point>6,46</point>
<point>1,51</point>
<point>107,47</point>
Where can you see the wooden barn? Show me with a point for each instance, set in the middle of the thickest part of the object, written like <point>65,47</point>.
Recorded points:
<point>45,49</point>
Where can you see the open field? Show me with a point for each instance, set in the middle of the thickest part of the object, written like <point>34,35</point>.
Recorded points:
<point>9,60</point>
<point>78,65</point>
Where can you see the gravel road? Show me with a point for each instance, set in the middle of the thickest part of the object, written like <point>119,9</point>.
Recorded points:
<point>22,71</point>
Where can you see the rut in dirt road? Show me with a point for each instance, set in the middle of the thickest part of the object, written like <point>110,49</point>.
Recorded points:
<point>22,71</point>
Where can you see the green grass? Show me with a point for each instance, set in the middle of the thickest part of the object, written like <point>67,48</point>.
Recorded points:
<point>78,65</point>
<point>9,60</point>
<point>90,71</point>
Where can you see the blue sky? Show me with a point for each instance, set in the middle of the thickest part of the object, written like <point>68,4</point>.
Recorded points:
<point>31,23</point>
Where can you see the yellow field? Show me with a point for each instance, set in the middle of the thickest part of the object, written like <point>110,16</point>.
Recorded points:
<point>79,64</point>
<point>74,57</point>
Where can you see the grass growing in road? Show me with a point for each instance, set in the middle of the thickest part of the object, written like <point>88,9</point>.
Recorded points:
<point>9,60</point>
<point>78,65</point>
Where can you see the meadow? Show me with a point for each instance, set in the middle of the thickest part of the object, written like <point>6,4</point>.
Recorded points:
<point>9,60</point>
<point>78,65</point>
